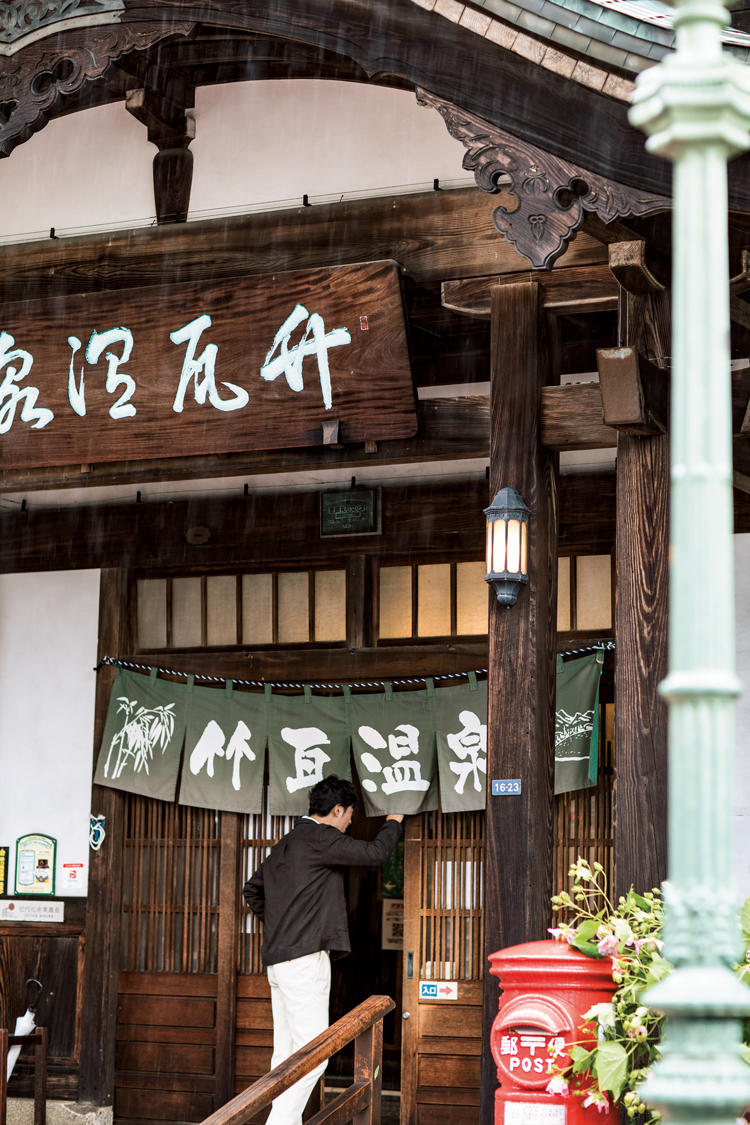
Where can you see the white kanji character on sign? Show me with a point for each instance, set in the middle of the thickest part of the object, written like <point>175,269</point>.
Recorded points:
<point>509,1045</point>
<point>210,746</point>
<point>17,364</point>
<point>470,745</point>
<point>404,775</point>
<point>309,757</point>
<point>115,380</point>
<point>239,748</point>
<point>315,341</point>
<point>204,364</point>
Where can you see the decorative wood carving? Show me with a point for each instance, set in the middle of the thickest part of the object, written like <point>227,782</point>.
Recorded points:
<point>33,82</point>
<point>546,196</point>
<point>20,17</point>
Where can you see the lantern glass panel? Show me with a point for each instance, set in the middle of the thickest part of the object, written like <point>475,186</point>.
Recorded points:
<point>498,546</point>
<point>524,548</point>
<point>514,547</point>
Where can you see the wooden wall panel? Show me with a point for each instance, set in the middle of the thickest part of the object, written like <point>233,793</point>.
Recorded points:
<point>165,1051</point>
<point>56,961</point>
<point>253,1033</point>
<point>254,1029</point>
<point>164,1057</point>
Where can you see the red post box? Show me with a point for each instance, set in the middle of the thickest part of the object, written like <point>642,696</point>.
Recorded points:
<point>546,987</point>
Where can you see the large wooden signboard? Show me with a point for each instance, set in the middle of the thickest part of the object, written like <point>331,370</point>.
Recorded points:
<point>250,363</point>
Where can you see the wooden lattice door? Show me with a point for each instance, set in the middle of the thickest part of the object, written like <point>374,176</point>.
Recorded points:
<point>443,948</point>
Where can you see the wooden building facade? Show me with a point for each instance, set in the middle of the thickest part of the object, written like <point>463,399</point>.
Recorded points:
<point>525,323</point>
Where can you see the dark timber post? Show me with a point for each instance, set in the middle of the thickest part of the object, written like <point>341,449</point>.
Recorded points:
<point>518,864</point>
<point>642,552</point>
<point>641,584</point>
<point>103,904</point>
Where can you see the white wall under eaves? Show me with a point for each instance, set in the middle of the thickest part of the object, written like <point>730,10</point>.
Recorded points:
<point>258,146</point>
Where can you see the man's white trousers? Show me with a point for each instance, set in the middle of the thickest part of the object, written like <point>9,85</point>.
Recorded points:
<point>299,1000</point>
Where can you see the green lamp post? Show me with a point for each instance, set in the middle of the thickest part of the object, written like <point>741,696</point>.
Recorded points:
<point>695,107</point>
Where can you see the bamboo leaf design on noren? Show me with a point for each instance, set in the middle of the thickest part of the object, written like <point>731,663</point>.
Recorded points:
<point>143,731</point>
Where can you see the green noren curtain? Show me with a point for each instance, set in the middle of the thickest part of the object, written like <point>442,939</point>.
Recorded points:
<point>143,735</point>
<point>577,722</point>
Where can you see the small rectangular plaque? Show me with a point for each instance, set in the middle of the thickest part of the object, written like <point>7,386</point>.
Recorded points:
<point>4,870</point>
<point>506,787</point>
<point>438,990</point>
<point>354,512</point>
<point>26,910</point>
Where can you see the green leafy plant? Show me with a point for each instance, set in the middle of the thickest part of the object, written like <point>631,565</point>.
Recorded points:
<point>620,1039</point>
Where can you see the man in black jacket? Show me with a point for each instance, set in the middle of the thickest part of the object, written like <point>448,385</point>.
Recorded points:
<point>298,892</point>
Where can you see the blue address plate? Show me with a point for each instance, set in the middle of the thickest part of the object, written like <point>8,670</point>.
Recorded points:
<point>506,787</point>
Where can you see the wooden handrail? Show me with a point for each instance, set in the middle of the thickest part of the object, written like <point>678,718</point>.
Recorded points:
<point>38,1038</point>
<point>364,1025</point>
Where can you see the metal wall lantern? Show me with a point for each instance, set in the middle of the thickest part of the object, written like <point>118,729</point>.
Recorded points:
<point>507,545</point>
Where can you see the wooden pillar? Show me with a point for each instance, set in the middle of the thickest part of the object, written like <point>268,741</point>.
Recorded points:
<point>103,904</point>
<point>640,797</point>
<point>641,608</point>
<point>518,861</point>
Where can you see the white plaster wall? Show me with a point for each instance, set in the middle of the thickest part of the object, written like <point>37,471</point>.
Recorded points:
<point>742,763</point>
<point>259,145</point>
<point>48,647</point>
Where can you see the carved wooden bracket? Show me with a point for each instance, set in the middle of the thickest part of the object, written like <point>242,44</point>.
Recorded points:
<point>33,81</point>
<point>546,196</point>
<point>171,127</point>
<point>19,18</point>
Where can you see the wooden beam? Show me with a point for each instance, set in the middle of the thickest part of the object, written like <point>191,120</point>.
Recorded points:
<point>448,429</point>
<point>572,417</point>
<point>518,848</point>
<point>432,235</point>
<point>633,390</point>
<point>566,289</point>
<point>244,529</point>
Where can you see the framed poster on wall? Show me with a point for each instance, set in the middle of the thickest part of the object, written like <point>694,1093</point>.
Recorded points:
<point>35,864</point>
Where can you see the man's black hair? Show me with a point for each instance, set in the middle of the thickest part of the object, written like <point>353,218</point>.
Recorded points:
<point>328,793</point>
